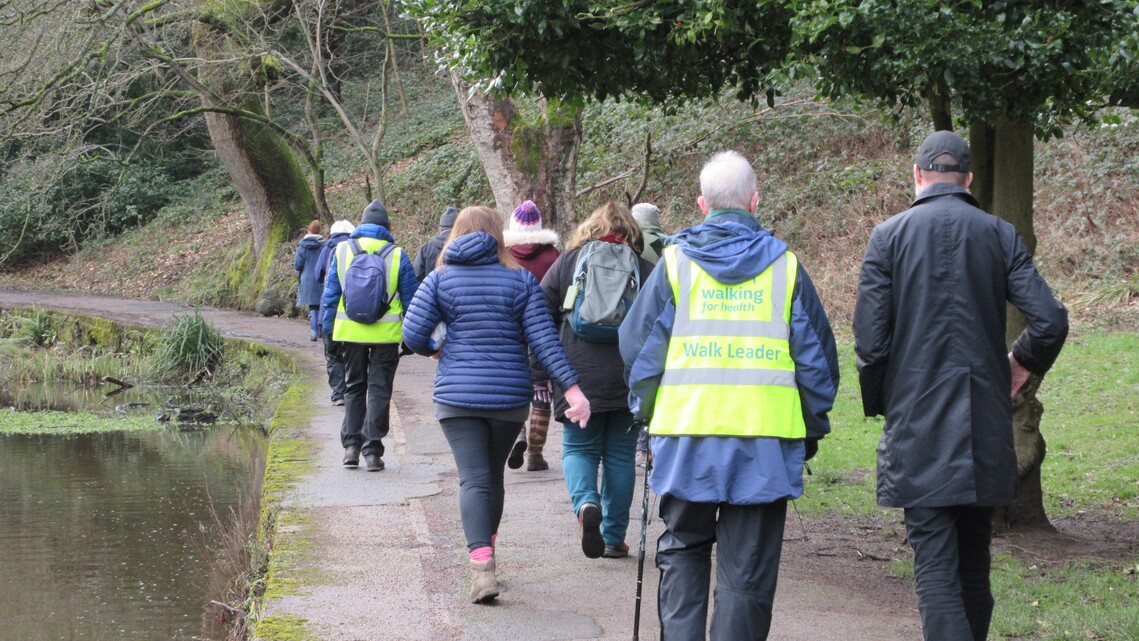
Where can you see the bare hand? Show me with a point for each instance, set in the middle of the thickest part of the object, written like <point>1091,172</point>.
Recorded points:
<point>578,411</point>
<point>1019,374</point>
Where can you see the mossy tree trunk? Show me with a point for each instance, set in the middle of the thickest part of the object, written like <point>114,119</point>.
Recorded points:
<point>526,156</point>
<point>1003,164</point>
<point>265,171</point>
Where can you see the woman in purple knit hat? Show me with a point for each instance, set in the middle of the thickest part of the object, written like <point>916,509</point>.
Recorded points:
<point>535,249</point>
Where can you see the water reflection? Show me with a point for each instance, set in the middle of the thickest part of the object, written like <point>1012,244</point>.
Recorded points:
<point>100,534</point>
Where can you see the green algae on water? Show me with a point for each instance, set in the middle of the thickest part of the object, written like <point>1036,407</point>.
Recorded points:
<point>68,423</point>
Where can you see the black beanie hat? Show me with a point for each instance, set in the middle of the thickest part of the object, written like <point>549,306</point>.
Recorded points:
<point>447,220</point>
<point>376,214</point>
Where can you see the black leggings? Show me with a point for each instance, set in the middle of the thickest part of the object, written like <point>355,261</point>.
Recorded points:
<point>480,447</point>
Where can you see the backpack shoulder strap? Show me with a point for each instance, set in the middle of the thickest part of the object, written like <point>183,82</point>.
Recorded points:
<point>354,245</point>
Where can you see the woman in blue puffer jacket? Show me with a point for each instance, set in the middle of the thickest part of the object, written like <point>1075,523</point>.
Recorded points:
<point>492,310</point>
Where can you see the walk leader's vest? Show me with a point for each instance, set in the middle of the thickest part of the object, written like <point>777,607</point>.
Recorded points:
<point>729,370</point>
<point>390,326</point>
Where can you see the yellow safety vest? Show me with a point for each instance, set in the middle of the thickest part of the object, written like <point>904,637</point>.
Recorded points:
<point>389,328</point>
<point>729,370</point>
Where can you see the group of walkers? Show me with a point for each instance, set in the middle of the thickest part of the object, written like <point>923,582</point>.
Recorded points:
<point>711,347</point>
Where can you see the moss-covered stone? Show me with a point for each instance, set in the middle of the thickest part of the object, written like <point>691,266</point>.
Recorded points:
<point>283,628</point>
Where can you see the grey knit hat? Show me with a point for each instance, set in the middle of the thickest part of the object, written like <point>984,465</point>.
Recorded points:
<point>376,214</point>
<point>646,214</point>
<point>447,220</point>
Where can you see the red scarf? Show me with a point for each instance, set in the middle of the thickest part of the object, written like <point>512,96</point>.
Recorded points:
<point>614,238</point>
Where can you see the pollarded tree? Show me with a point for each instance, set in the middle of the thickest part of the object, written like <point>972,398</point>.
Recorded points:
<point>1011,71</point>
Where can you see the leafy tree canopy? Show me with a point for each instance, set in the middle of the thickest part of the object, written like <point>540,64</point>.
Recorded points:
<point>1043,62</point>
<point>1046,63</point>
<point>602,49</point>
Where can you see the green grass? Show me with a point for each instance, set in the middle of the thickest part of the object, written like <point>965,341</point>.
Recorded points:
<point>1091,425</point>
<point>1079,600</point>
<point>842,478</point>
<point>1091,412</point>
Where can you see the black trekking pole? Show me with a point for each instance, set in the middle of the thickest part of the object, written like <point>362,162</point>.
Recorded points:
<point>641,549</point>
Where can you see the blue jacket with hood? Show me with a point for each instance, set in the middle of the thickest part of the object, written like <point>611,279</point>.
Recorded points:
<point>732,247</point>
<point>333,290</point>
<point>307,262</point>
<point>326,253</point>
<point>492,313</point>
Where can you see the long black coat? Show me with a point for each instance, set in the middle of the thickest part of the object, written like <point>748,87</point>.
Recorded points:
<point>929,331</point>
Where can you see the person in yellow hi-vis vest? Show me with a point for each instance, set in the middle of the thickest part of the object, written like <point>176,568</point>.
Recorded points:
<point>731,362</point>
<point>370,350</point>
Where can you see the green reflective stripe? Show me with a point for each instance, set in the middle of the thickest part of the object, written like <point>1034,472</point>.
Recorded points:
<point>728,376</point>
<point>685,325</point>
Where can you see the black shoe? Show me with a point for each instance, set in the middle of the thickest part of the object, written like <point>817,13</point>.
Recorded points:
<point>338,402</point>
<point>517,453</point>
<point>352,456</point>
<point>589,516</point>
<point>618,551</point>
<point>374,462</point>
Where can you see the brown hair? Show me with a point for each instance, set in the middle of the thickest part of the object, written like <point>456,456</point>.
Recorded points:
<point>476,219</point>
<point>314,227</point>
<point>610,218</point>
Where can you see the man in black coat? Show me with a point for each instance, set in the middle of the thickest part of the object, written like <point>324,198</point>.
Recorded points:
<point>929,331</point>
<point>428,254</point>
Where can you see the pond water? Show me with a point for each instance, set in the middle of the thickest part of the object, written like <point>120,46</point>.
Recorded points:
<point>106,536</point>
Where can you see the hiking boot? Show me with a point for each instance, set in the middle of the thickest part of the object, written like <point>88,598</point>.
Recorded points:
<point>484,585</point>
<point>589,517</point>
<point>536,463</point>
<point>514,461</point>
<point>619,551</point>
<point>539,426</point>
<point>374,462</point>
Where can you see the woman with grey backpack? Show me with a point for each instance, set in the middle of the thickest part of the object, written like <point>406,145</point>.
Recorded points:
<point>591,287</point>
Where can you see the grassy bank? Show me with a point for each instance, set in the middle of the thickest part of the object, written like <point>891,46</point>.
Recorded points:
<point>1091,416</point>
<point>1081,584</point>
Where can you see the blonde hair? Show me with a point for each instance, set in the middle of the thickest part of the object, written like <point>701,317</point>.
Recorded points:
<point>476,219</point>
<point>610,218</point>
<point>314,227</point>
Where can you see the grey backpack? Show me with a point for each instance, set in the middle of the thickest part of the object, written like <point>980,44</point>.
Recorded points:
<point>606,280</point>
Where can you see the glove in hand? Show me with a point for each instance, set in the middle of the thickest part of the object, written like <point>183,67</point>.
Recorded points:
<point>542,391</point>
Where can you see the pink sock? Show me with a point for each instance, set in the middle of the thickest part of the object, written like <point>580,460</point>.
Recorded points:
<point>482,555</point>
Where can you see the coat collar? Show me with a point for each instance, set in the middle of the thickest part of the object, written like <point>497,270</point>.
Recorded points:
<point>937,190</point>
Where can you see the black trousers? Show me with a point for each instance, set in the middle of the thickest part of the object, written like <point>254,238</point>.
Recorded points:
<point>334,364</point>
<point>369,371</point>
<point>951,570</point>
<point>749,542</point>
<point>480,446</point>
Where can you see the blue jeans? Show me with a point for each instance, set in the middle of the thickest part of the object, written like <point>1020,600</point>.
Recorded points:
<point>609,441</point>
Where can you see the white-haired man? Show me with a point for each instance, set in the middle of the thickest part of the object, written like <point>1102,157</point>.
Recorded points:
<point>731,361</point>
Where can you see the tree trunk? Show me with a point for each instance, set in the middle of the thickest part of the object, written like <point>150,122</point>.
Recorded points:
<point>526,161</point>
<point>1003,163</point>
<point>270,181</point>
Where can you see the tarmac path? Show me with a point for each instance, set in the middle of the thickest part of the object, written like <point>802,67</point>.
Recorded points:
<point>383,555</point>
